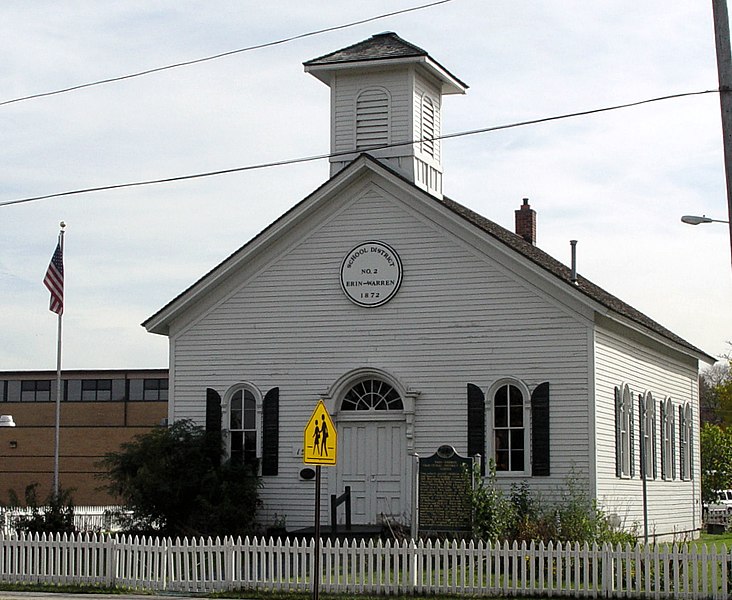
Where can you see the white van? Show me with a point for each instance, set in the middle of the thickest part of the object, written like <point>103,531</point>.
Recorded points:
<point>725,498</point>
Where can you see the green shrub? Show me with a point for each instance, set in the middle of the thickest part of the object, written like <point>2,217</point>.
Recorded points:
<point>524,517</point>
<point>55,516</point>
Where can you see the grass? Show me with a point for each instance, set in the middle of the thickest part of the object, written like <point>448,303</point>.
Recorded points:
<point>709,539</point>
<point>234,594</point>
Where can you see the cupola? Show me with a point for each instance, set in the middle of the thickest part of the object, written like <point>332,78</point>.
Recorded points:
<point>386,100</point>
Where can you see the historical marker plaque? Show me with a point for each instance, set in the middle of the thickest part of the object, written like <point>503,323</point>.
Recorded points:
<point>444,492</point>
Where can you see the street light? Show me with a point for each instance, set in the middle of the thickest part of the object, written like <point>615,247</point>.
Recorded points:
<point>7,421</point>
<point>692,220</point>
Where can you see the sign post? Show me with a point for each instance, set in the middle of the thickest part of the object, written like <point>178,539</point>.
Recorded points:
<point>320,447</point>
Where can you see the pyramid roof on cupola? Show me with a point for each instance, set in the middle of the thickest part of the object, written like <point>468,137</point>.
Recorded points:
<point>378,49</point>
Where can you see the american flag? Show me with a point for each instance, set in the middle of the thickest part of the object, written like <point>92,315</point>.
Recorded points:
<point>54,281</point>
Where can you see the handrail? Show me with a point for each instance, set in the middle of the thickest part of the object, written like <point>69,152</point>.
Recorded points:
<point>335,502</point>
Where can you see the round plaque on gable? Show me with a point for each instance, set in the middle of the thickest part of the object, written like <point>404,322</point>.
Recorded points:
<point>371,274</point>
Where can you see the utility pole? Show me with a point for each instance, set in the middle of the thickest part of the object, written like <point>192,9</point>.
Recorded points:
<point>724,71</point>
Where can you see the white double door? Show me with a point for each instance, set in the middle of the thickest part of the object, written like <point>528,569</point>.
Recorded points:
<point>372,459</point>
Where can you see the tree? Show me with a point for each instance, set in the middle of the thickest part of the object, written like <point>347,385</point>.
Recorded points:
<point>715,385</point>
<point>174,483</point>
<point>716,459</point>
<point>715,391</point>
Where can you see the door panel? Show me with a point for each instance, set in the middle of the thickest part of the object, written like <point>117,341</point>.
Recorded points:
<point>353,470</point>
<point>373,463</point>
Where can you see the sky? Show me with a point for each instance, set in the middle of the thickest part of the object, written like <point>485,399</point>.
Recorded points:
<point>617,182</point>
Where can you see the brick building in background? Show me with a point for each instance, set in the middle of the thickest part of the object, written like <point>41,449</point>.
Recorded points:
<point>100,410</point>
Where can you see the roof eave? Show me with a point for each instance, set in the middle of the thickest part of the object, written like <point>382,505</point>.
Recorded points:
<point>450,83</point>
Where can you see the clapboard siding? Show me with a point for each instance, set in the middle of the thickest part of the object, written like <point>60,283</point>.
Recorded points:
<point>673,506</point>
<point>458,318</point>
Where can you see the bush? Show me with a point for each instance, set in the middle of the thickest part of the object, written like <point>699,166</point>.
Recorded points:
<point>173,483</point>
<point>524,517</point>
<point>494,515</point>
<point>56,516</point>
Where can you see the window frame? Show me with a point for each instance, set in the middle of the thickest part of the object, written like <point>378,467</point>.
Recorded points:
<point>526,425</point>
<point>391,402</point>
<point>686,446</point>
<point>624,434</point>
<point>647,419</point>
<point>226,429</point>
<point>31,389</point>
<point>668,440</point>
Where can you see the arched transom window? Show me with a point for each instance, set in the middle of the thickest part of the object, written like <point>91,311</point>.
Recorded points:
<point>372,394</point>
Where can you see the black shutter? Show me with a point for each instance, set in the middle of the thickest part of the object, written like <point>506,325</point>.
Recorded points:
<point>653,436</point>
<point>631,430</point>
<point>618,432</point>
<point>213,425</point>
<point>476,424</point>
<point>690,425</point>
<point>664,435</point>
<point>540,441</point>
<point>271,432</point>
<point>213,410</point>
<point>673,442</point>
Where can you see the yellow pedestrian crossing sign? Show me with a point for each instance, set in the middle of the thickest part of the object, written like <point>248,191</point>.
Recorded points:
<point>320,438</point>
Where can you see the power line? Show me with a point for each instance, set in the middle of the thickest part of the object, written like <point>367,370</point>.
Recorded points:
<point>305,159</point>
<point>223,54</point>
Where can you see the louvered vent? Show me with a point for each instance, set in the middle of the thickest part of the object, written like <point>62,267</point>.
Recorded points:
<point>372,119</point>
<point>428,126</point>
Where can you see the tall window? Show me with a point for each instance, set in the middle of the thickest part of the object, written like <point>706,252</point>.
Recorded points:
<point>372,118</point>
<point>686,449</point>
<point>647,418</point>
<point>624,436</point>
<point>668,440</point>
<point>243,426</point>
<point>509,428</point>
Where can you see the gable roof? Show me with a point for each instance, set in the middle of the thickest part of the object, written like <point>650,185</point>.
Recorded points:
<point>382,47</point>
<point>515,242</point>
<point>564,273</point>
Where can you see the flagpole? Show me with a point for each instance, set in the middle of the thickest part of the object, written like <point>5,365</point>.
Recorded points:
<point>58,383</point>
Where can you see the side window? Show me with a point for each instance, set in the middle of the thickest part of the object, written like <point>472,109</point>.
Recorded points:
<point>510,448</point>
<point>647,420</point>
<point>668,440</point>
<point>250,425</point>
<point>624,434</point>
<point>685,441</point>
<point>513,417</point>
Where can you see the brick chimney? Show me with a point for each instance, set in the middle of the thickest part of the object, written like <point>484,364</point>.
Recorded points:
<point>526,222</point>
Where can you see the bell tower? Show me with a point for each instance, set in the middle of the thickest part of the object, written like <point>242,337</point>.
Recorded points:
<point>386,100</point>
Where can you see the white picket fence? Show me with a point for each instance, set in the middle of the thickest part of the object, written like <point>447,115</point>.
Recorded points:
<point>406,568</point>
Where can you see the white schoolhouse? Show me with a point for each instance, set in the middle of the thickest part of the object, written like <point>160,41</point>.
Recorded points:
<point>421,323</point>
